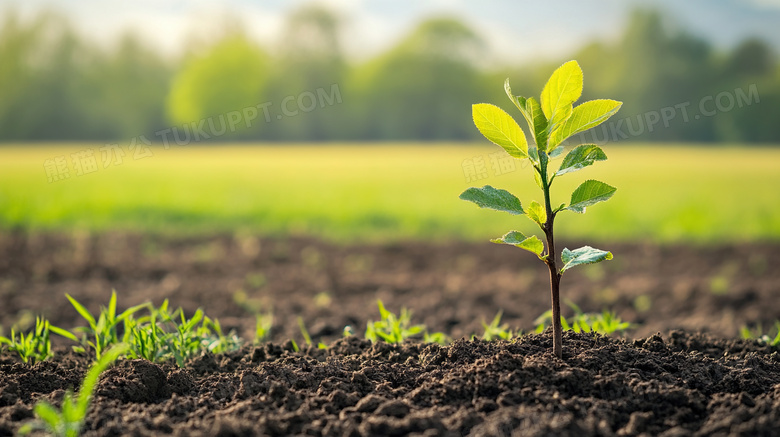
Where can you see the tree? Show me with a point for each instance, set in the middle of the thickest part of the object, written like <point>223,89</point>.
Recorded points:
<point>310,61</point>
<point>229,76</point>
<point>423,88</point>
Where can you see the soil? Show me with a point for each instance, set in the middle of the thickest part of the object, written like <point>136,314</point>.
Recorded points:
<point>696,381</point>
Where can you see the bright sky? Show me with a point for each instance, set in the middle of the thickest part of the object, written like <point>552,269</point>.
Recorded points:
<point>515,29</point>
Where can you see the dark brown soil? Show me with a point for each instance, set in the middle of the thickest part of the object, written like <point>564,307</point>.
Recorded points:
<point>681,383</point>
<point>674,386</point>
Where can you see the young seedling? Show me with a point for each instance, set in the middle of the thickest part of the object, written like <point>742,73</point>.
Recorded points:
<point>263,324</point>
<point>392,328</point>
<point>497,330</point>
<point>146,338</point>
<point>307,337</point>
<point>395,329</point>
<point>69,419</point>
<point>35,345</point>
<point>606,322</point>
<point>551,120</point>
<point>103,328</point>
<point>769,338</point>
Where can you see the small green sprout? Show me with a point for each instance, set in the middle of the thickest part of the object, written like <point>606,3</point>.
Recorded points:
<point>103,328</point>
<point>213,338</point>
<point>304,331</point>
<point>184,338</point>
<point>264,320</point>
<point>395,329</point>
<point>551,120</point>
<point>69,419</point>
<point>498,331</point>
<point>263,324</point>
<point>146,338</point>
<point>158,336</point>
<point>392,328</point>
<point>187,341</point>
<point>606,322</point>
<point>436,337</point>
<point>35,345</point>
<point>769,339</point>
<point>307,337</point>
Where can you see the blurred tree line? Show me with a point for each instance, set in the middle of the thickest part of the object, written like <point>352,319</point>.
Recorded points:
<point>56,86</point>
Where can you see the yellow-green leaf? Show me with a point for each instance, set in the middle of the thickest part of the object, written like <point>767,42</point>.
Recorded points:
<point>518,239</point>
<point>537,121</point>
<point>537,213</point>
<point>532,112</point>
<point>500,128</point>
<point>562,89</point>
<point>583,117</point>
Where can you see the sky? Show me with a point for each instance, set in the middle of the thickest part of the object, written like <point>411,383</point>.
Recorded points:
<point>516,30</point>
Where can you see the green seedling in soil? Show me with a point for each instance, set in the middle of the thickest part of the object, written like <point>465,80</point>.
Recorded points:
<point>214,340</point>
<point>264,320</point>
<point>185,338</point>
<point>146,338</point>
<point>186,342</point>
<point>395,329</point>
<point>392,328</point>
<point>307,337</point>
<point>498,331</point>
<point>769,339</point>
<point>551,120</point>
<point>436,337</point>
<point>69,419</point>
<point>35,345</point>
<point>606,322</point>
<point>304,331</point>
<point>157,336</point>
<point>103,328</point>
<point>263,324</point>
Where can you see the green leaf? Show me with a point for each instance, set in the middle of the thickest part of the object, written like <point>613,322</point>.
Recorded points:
<point>583,255</point>
<point>518,239</point>
<point>532,112</point>
<point>500,128</point>
<point>584,117</point>
<point>63,333</point>
<point>513,98</point>
<point>589,193</point>
<point>537,213</point>
<point>538,179</point>
<point>81,310</point>
<point>538,122</point>
<point>48,414</point>
<point>562,89</point>
<point>491,198</point>
<point>580,157</point>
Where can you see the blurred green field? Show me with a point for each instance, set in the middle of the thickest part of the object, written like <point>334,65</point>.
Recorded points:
<point>389,192</point>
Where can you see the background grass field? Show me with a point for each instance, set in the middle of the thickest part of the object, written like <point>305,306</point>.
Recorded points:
<point>389,192</point>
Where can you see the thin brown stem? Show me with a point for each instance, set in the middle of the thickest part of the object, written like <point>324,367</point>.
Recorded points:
<point>555,281</point>
<point>555,275</point>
